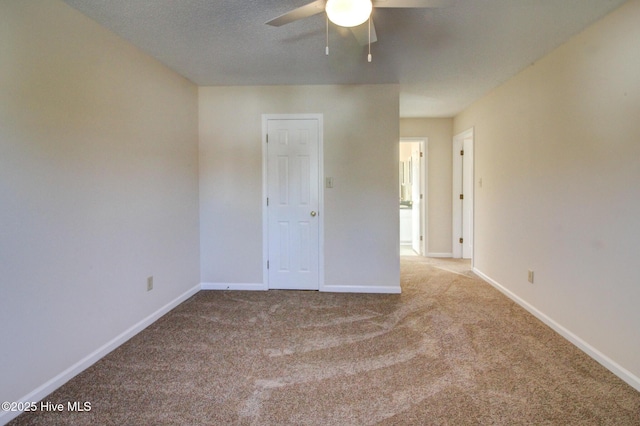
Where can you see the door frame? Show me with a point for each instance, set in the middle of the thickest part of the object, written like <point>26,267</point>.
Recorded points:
<point>423,142</point>
<point>457,182</point>
<point>265,211</point>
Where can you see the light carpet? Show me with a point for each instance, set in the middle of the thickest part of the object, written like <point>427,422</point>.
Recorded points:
<point>450,350</point>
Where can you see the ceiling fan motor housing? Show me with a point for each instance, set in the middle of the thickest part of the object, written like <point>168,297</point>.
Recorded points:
<point>349,13</point>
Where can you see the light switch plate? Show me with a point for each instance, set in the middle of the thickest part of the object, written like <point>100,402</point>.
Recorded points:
<point>329,182</point>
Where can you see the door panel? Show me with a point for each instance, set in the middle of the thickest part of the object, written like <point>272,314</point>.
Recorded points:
<point>463,182</point>
<point>293,183</point>
<point>467,203</point>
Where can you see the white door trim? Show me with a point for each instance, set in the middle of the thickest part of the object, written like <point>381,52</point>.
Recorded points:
<point>424,189</point>
<point>265,216</point>
<point>458,144</point>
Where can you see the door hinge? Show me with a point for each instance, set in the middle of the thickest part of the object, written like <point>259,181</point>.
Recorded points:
<point>421,154</point>
<point>461,240</point>
<point>462,152</point>
<point>267,201</point>
<point>267,264</point>
<point>462,196</point>
<point>420,237</point>
<point>267,137</point>
<point>421,196</point>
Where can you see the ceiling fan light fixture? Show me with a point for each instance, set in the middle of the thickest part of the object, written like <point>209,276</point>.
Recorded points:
<point>348,13</point>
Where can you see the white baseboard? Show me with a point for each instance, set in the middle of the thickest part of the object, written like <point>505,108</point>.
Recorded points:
<point>45,389</point>
<point>234,286</point>
<point>326,288</point>
<point>439,254</point>
<point>607,362</point>
<point>361,289</point>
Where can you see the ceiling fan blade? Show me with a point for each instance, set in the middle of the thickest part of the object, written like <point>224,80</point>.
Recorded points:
<point>361,33</point>
<point>417,4</point>
<point>305,11</point>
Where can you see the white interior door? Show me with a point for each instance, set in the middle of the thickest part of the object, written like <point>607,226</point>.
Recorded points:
<point>293,203</point>
<point>467,202</point>
<point>463,186</point>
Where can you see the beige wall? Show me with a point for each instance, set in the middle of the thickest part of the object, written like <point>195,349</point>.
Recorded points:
<point>360,153</point>
<point>558,150</point>
<point>439,132</point>
<point>98,191</point>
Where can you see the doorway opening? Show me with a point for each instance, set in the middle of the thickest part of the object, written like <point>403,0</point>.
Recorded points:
<point>413,199</point>
<point>463,193</point>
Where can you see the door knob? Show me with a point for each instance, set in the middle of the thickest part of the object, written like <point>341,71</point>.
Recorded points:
<point>313,214</point>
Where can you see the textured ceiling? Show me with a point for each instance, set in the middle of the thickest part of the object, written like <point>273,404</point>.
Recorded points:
<point>443,59</point>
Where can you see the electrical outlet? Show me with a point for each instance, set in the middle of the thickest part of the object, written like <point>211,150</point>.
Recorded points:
<point>530,276</point>
<point>150,283</point>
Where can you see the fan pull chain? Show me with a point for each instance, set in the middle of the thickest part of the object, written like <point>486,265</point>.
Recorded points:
<point>369,57</point>
<point>326,49</point>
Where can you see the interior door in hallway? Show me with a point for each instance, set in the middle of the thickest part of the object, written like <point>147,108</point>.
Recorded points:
<point>467,202</point>
<point>463,193</point>
<point>293,203</point>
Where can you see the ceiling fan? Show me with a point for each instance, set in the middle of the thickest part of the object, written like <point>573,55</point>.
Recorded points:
<point>353,14</point>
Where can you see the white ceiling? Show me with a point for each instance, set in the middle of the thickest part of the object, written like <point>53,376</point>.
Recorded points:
<point>443,59</point>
